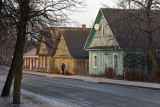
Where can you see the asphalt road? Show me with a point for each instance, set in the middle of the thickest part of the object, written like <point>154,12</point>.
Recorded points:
<point>88,94</point>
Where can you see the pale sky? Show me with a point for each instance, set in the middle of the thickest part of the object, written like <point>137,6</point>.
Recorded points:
<point>90,12</point>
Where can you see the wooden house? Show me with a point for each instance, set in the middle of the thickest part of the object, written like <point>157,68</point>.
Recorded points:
<point>31,60</point>
<point>68,48</point>
<point>48,36</point>
<point>116,35</point>
<point>63,44</point>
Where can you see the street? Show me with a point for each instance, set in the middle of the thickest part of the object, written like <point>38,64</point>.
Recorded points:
<point>88,94</point>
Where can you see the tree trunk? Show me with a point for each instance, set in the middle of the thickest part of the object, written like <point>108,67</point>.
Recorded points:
<point>18,70</point>
<point>16,66</point>
<point>8,83</point>
<point>24,11</point>
<point>150,41</point>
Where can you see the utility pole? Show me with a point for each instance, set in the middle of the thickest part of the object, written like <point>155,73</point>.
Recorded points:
<point>115,55</point>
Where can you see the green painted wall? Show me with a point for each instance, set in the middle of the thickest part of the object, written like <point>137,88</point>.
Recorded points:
<point>100,61</point>
<point>96,39</point>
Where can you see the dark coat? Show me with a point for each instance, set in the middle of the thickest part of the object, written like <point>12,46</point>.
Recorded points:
<point>63,66</point>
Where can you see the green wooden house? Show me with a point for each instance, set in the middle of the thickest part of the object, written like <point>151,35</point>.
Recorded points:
<point>115,35</point>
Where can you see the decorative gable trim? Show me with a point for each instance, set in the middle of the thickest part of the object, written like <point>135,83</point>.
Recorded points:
<point>90,33</point>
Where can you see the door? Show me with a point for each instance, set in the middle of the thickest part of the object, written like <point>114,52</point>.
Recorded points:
<point>105,62</point>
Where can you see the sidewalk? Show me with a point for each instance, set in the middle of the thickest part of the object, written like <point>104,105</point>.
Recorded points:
<point>154,86</point>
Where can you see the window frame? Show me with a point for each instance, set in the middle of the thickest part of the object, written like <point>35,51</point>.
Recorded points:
<point>37,62</point>
<point>103,30</point>
<point>114,62</point>
<point>94,61</point>
<point>44,62</point>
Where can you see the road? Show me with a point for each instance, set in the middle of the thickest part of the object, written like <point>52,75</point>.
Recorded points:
<point>88,94</point>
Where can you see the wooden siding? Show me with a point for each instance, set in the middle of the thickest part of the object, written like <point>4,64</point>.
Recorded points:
<point>80,66</point>
<point>46,66</point>
<point>43,49</point>
<point>100,59</point>
<point>73,66</point>
<point>69,64</point>
<point>96,38</point>
<point>62,49</point>
<point>100,70</point>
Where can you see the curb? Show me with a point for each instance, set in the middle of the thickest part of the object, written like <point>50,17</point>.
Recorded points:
<point>151,88</point>
<point>126,85</point>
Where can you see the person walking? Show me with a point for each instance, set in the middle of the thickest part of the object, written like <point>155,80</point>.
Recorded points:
<point>63,66</point>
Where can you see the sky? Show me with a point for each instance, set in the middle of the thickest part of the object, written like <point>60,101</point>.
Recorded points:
<point>90,12</point>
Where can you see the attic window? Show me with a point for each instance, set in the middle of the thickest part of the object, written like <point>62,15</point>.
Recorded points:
<point>103,30</point>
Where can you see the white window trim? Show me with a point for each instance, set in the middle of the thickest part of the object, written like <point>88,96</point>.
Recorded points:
<point>37,62</point>
<point>93,61</point>
<point>86,65</point>
<point>117,60</point>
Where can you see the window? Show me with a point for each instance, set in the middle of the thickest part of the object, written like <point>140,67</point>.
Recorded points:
<point>95,61</point>
<point>58,64</point>
<point>87,65</point>
<point>25,63</point>
<point>103,30</point>
<point>41,62</point>
<point>44,61</point>
<point>36,62</point>
<point>28,62</point>
<point>33,61</point>
<point>115,61</point>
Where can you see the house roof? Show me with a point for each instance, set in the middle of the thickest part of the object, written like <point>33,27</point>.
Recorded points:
<point>75,39</point>
<point>31,52</point>
<point>50,34</point>
<point>129,29</point>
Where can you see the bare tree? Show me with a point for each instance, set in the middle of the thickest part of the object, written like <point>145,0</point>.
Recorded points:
<point>28,17</point>
<point>148,13</point>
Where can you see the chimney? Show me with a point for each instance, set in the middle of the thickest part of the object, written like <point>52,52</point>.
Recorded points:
<point>83,26</point>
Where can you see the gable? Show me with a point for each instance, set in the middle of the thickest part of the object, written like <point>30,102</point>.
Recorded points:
<point>103,36</point>
<point>62,49</point>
